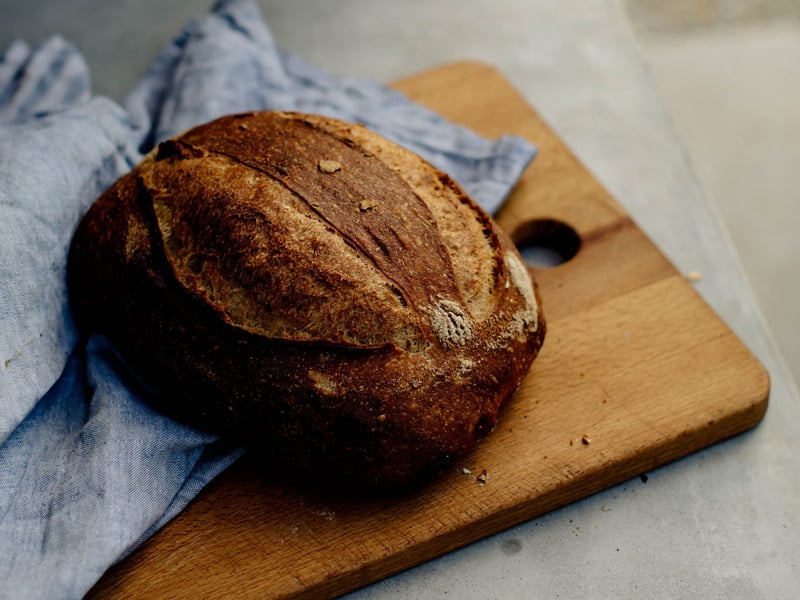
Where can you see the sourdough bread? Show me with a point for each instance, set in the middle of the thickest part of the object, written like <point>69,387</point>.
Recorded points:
<point>305,286</point>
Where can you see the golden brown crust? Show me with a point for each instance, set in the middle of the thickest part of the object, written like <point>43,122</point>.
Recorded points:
<point>308,286</point>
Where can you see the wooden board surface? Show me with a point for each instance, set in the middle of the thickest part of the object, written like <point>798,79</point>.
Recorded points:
<point>635,364</point>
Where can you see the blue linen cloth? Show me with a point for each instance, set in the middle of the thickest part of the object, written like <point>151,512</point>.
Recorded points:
<point>87,470</point>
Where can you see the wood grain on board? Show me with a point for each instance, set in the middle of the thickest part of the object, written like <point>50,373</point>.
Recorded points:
<point>636,371</point>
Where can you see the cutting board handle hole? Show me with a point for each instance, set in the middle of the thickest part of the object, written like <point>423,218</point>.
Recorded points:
<point>545,243</point>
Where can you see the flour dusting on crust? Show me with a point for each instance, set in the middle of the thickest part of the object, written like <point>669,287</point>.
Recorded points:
<point>522,281</point>
<point>450,324</point>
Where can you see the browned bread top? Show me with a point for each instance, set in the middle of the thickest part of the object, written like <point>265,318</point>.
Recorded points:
<point>308,286</point>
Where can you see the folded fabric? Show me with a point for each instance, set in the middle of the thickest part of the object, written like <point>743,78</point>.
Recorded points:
<point>87,470</point>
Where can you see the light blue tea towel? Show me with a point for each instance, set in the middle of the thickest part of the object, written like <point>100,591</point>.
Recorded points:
<point>87,471</point>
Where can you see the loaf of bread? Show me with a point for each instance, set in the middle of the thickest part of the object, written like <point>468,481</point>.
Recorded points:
<point>313,290</point>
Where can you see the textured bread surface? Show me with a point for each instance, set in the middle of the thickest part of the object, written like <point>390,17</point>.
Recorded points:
<point>306,286</point>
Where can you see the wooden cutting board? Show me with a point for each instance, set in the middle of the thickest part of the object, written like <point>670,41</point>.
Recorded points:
<point>636,371</point>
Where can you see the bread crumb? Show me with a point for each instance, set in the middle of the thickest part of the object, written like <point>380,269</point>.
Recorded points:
<point>465,471</point>
<point>366,205</point>
<point>586,439</point>
<point>694,276</point>
<point>243,126</point>
<point>329,166</point>
<point>483,477</point>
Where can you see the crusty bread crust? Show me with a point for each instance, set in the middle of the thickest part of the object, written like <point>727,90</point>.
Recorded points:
<point>306,286</point>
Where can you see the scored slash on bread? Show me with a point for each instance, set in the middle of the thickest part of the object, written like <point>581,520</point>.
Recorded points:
<point>303,285</point>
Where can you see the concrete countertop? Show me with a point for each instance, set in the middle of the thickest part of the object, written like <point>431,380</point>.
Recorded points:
<point>721,523</point>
